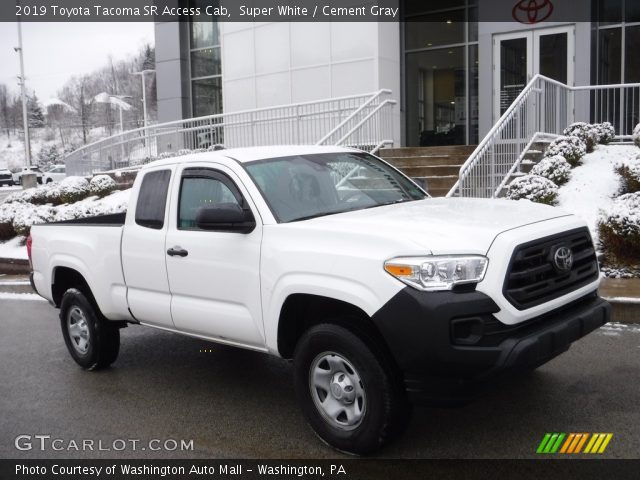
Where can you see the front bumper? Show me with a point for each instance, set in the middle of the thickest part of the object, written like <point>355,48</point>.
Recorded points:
<point>447,344</point>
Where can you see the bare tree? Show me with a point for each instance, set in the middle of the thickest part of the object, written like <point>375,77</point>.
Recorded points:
<point>76,94</point>
<point>5,101</point>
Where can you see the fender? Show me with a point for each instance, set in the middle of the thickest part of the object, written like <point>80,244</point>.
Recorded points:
<point>111,299</point>
<point>350,291</point>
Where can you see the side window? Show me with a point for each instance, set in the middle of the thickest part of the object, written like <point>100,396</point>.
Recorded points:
<point>152,200</point>
<point>203,191</point>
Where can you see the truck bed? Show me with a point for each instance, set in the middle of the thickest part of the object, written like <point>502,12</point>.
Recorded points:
<point>111,220</point>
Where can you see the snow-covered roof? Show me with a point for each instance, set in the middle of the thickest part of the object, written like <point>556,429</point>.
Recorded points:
<point>250,154</point>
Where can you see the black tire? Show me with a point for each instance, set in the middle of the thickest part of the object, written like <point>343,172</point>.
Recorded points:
<point>384,410</point>
<point>97,343</point>
<point>49,180</point>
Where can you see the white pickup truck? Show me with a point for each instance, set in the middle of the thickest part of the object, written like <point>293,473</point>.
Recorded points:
<point>330,257</point>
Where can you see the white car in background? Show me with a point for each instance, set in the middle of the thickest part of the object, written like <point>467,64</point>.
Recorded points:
<point>17,176</point>
<point>55,174</point>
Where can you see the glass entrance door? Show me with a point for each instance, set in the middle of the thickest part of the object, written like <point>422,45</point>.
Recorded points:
<point>519,56</point>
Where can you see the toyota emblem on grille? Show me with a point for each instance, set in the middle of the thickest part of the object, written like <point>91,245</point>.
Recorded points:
<point>563,259</point>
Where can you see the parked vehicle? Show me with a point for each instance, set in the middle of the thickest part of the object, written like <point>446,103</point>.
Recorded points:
<point>6,177</point>
<point>54,174</point>
<point>334,259</point>
<point>17,176</point>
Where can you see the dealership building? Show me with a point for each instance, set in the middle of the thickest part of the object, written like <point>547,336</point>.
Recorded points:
<point>452,66</point>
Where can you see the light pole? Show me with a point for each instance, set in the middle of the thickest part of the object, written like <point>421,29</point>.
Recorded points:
<point>142,74</point>
<point>144,93</point>
<point>25,119</point>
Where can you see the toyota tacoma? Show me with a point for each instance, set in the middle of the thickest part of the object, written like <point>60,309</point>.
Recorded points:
<point>379,294</point>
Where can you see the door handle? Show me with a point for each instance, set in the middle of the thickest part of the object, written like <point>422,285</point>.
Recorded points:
<point>177,252</point>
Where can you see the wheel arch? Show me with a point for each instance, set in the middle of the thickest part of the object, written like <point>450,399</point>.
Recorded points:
<point>302,311</point>
<point>64,278</point>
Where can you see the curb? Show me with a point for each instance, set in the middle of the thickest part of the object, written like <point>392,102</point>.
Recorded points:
<point>625,310</point>
<point>14,266</point>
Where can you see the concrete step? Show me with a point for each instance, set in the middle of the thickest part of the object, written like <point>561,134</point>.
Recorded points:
<point>431,160</point>
<point>421,151</point>
<point>439,183</point>
<point>439,192</point>
<point>430,170</point>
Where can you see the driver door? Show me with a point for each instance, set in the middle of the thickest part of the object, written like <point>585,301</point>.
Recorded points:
<point>215,276</point>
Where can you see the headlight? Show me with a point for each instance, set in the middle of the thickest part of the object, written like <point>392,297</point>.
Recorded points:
<point>437,272</point>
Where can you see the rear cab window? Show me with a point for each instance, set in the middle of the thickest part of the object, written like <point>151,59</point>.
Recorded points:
<point>152,199</point>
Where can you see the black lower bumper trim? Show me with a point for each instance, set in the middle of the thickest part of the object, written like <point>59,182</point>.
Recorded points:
<point>417,328</point>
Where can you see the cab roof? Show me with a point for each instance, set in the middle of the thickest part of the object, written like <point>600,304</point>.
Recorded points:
<point>250,154</point>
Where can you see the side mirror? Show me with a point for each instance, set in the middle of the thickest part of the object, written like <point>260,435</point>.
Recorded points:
<point>225,217</point>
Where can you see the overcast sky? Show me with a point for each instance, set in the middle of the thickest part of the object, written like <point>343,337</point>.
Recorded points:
<point>54,52</point>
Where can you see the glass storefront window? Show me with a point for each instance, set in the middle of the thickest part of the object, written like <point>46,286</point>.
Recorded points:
<point>436,97</point>
<point>631,56</point>
<point>204,34</point>
<point>632,11</point>
<point>473,24</point>
<point>205,62</point>
<point>610,56</point>
<point>473,95</point>
<point>444,28</point>
<point>610,11</point>
<point>206,69</point>
<point>441,72</point>
<point>206,96</point>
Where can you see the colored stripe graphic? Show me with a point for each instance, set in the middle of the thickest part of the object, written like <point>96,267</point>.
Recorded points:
<point>573,443</point>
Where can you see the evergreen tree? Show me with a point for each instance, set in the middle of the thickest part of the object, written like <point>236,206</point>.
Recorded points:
<point>34,112</point>
<point>149,58</point>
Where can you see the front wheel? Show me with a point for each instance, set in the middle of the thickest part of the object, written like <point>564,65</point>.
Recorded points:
<point>351,396</point>
<point>92,341</point>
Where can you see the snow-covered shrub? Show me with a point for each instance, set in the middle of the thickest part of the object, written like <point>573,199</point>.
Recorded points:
<point>74,189</point>
<point>42,195</point>
<point>26,217</point>
<point>7,212</point>
<point>619,229</point>
<point>102,185</point>
<point>571,148</point>
<point>556,169</point>
<point>606,132</point>
<point>630,173</point>
<point>533,187</point>
<point>636,135</point>
<point>586,132</point>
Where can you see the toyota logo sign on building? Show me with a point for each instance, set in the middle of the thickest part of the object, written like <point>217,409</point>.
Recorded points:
<point>532,11</point>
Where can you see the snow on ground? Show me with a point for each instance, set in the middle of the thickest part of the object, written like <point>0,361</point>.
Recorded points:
<point>13,248</point>
<point>593,184</point>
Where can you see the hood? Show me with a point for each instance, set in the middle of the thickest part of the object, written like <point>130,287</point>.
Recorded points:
<point>439,225</point>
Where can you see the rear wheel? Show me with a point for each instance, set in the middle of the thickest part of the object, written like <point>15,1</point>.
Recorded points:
<point>92,341</point>
<point>351,396</point>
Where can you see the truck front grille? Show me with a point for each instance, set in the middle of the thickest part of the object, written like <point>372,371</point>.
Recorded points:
<point>535,277</point>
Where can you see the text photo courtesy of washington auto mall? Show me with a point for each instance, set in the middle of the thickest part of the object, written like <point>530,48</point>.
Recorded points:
<point>319,239</point>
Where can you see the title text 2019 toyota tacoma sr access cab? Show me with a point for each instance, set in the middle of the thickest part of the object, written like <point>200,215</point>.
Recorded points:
<point>332,258</point>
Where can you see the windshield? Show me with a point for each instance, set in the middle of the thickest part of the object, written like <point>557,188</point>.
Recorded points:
<point>308,186</point>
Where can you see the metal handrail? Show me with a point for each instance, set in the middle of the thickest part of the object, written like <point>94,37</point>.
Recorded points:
<point>353,115</point>
<point>368,118</point>
<point>528,116</point>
